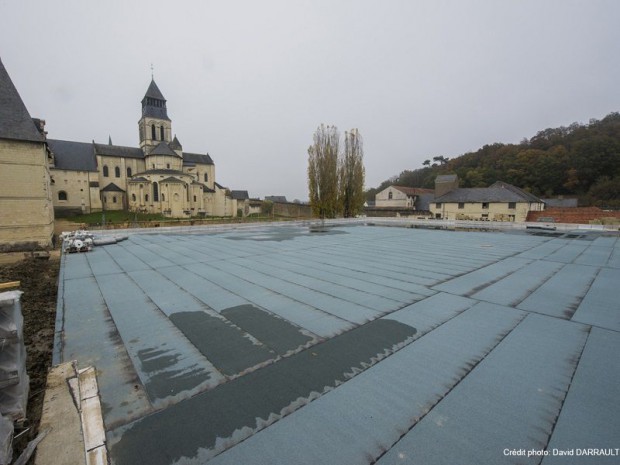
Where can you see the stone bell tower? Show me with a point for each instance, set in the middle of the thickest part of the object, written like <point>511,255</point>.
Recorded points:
<point>154,126</point>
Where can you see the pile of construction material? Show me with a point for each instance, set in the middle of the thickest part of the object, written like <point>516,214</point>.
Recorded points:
<point>77,241</point>
<point>14,381</point>
<point>83,241</point>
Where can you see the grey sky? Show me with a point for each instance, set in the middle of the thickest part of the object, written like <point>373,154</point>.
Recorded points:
<point>249,82</point>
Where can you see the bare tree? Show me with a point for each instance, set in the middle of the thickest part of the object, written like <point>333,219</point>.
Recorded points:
<point>323,172</point>
<point>351,174</point>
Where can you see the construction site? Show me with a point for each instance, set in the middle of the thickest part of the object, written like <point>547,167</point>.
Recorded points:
<point>347,342</point>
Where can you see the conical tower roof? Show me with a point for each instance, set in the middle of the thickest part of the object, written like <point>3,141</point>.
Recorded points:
<point>15,121</point>
<point>154,103</point>
<point>153,92</point>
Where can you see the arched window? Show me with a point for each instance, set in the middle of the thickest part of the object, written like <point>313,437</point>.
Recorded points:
<point>62,195</point>
<point>155,192</point>
<point>163,197</point>
<point>206,177</point>
<point>161,132</point>
<point>105,171</point>
<point>168,165</point>
<point>113,199</point>
<point>153,132</point>
<point>146,198</point>
<point>117,172</point>
<point>194,198</point>
<point>390,195</point>
<point>133,197</point>
<point>128,172</point>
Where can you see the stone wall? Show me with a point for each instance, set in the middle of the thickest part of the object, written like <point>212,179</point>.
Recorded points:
<point>27,215</point>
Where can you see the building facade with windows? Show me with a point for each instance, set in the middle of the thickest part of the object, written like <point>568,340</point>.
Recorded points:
<point>156,177</point>
<point>26,212</point>
<point>499,202</point>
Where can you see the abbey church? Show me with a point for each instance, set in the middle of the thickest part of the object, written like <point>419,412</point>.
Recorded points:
<point>156,177</point>
<point>41,178</point>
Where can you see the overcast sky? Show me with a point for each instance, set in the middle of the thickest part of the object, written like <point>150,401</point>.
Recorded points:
<point>250,81</point>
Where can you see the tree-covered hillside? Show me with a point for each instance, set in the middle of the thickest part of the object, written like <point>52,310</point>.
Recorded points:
<point>581,160</point>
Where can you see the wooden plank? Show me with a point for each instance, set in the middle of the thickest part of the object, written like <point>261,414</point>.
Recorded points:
<point>88,383</point>
<point>10,284</point>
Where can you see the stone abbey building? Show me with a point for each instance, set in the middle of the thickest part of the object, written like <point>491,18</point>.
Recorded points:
<point>156,177</point>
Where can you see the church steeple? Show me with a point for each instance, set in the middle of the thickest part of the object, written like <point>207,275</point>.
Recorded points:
<point>154,103</point>
<point>155,126</point>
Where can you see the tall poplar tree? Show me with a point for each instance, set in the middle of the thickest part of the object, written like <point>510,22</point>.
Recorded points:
<point>323,172</point>
<point>351,174</point>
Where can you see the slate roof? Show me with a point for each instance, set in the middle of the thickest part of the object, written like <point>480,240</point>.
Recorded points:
<point>118,151</point>
<point>276,198</point>
<point>162,171</point>
<point>154,92</point>
<point>561,203</point>
<point>112,188</point>
<point>239,195</point>
<point>498,192</point>
<point>175,144</point>
<point>446,178</point>
<point>197,158</point>
<point>15,121</point>
<point>412,191</point>
<point>73,156</point>
<point>138,179</point>
<point>172,179</point>
<point>424,201</point>
<point>163,149</point>
<point>154,103</point>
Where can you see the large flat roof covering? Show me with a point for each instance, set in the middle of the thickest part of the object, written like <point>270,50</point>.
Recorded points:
<point>350,346</point>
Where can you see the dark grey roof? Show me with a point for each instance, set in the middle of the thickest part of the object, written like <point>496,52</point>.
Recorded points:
<point>239,195</point>
<point>276,198</point>
<point>423,201</point>
<point>172,179</point>
<point>118,151</point>
<point>138,179</point>
<point>112,188</point>
<point>168,172</point>
<point>154,92</point>
<point>446,178</point>
<point>175,144</point>
<point>485,194</point>
<point>15,121</point>
<point>73,156</point>
<point>526,195</point>
<point>163,149</point>
<point>561,203</point>
<point>154,103</point>
<point>219,186</point>
<point>197,158</point>
<point>207,189</point>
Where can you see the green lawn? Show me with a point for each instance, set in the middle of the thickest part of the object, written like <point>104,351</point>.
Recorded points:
<point>116,216</point>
